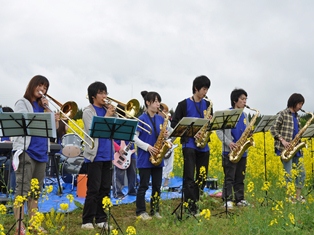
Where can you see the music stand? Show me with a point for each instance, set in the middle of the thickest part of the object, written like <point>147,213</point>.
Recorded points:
<point>264,125</point>
<point>187,127</point>
<point>113,128</point>
<point>26,124</point>
<point>222,120</point>
<point>309,133</point>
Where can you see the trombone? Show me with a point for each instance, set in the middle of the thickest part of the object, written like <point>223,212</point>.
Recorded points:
<point>130,110</point>
<point>68,111</point>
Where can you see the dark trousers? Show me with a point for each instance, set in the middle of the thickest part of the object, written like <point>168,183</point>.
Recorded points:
<point>193,161</point>
<point>98,186</point>
<point>118,179</point>
<point>145,174</point>
<point>234,179</point>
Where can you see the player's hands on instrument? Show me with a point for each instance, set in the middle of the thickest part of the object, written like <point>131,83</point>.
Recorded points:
<point>110,111</point>
<point>121,151</point>
<point>285,144</point>
<point>166,134</point>
<point>233,146</point>
<point>44,101</point>
<point>57,116</point>
<point>152,150</point>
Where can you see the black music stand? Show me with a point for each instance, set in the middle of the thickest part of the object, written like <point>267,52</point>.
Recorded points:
<point>113,128</point>
<point>263,126</point>
<point>27,124</point>
<point>222,120</point>
<point>309,133</point>
<point>187,127</point>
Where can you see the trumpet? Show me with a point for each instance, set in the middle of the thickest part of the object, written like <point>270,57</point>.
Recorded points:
<point>67,112</point>
<point>130,110</point>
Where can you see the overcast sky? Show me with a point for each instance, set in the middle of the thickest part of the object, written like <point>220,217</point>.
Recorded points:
<point>265,47</point>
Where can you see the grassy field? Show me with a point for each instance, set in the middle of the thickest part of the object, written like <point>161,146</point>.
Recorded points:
<point>274,214</point>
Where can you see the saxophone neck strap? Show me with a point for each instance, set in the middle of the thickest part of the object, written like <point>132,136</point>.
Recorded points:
<point>152,120</point>
<point>198,107</point>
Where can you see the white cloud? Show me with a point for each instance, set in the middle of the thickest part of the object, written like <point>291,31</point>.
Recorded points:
<point>264,47</point>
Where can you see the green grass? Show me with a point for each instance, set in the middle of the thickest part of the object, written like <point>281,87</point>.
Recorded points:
<point>249,220</point>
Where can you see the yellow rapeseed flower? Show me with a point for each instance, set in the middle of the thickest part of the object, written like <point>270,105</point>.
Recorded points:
<point>19,201</point>
<point>106,203</point>
<point>291,217</point>
<point>115,232</point>
<point>3,209</point>
<point>206,213</point>
<point>70,197</point>
<point>130,230</point>
<point>64,206</point>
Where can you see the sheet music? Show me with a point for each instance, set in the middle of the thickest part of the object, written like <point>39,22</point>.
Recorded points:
<point>181,128</point>
<point>36,124</point>
<point>113,127</point>
<point>37,121</point>
<point>228,118</point>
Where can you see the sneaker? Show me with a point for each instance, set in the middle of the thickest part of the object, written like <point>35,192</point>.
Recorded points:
<point>195,214</point>
<point>104,225</point>
<point>301,199</point>
<point>121,197</point>
<point>229,205</point>
<point>42,230</point>
<point>157,215</point>
<point>21,232</point>
<point>145,216</point>
<point>87,226</point>
<point>243,203</point>
<point>164,188</point>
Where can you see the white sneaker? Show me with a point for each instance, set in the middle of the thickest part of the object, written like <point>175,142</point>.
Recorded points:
<point>157,215</point>
<point>229,205</point>
<point>104,225</point>
<point>87,226</point>
<point>145,216</point>
<point>243,203</point>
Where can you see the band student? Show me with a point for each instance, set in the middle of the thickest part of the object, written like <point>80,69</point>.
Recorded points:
<point>194,157</point>
<point>284,130</point>
<point>36,148</point>
<point>145,143</point>
<point>169,157</point>
<point>119,172</point>
<point>234,172</point>
<point>98,159</point>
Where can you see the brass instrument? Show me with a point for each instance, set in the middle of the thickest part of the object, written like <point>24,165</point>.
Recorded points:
<point>203,134</point>
<point>67,112</point>
<point>244,143</point>
<point>130,110</point>
<point>161,144</point>
<point>295,144</point>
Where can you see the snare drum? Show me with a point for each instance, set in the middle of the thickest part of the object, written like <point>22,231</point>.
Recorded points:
<point>71,145</point>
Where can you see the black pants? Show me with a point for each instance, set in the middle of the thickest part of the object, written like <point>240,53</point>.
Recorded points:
<point>145,174</point>
<point>193,161</point>
<point>98,187</point>
<point>234,179</point>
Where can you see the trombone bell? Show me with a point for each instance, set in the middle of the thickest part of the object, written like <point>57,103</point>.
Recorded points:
<point>69,109</point>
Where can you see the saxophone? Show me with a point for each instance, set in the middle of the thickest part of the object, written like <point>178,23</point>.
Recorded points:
<point>244,143</point>
<point>295,144</point>
<point>203,135</point>
<point>161,144</point>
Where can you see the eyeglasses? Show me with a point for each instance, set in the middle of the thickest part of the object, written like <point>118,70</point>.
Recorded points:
<point>103,93</point>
